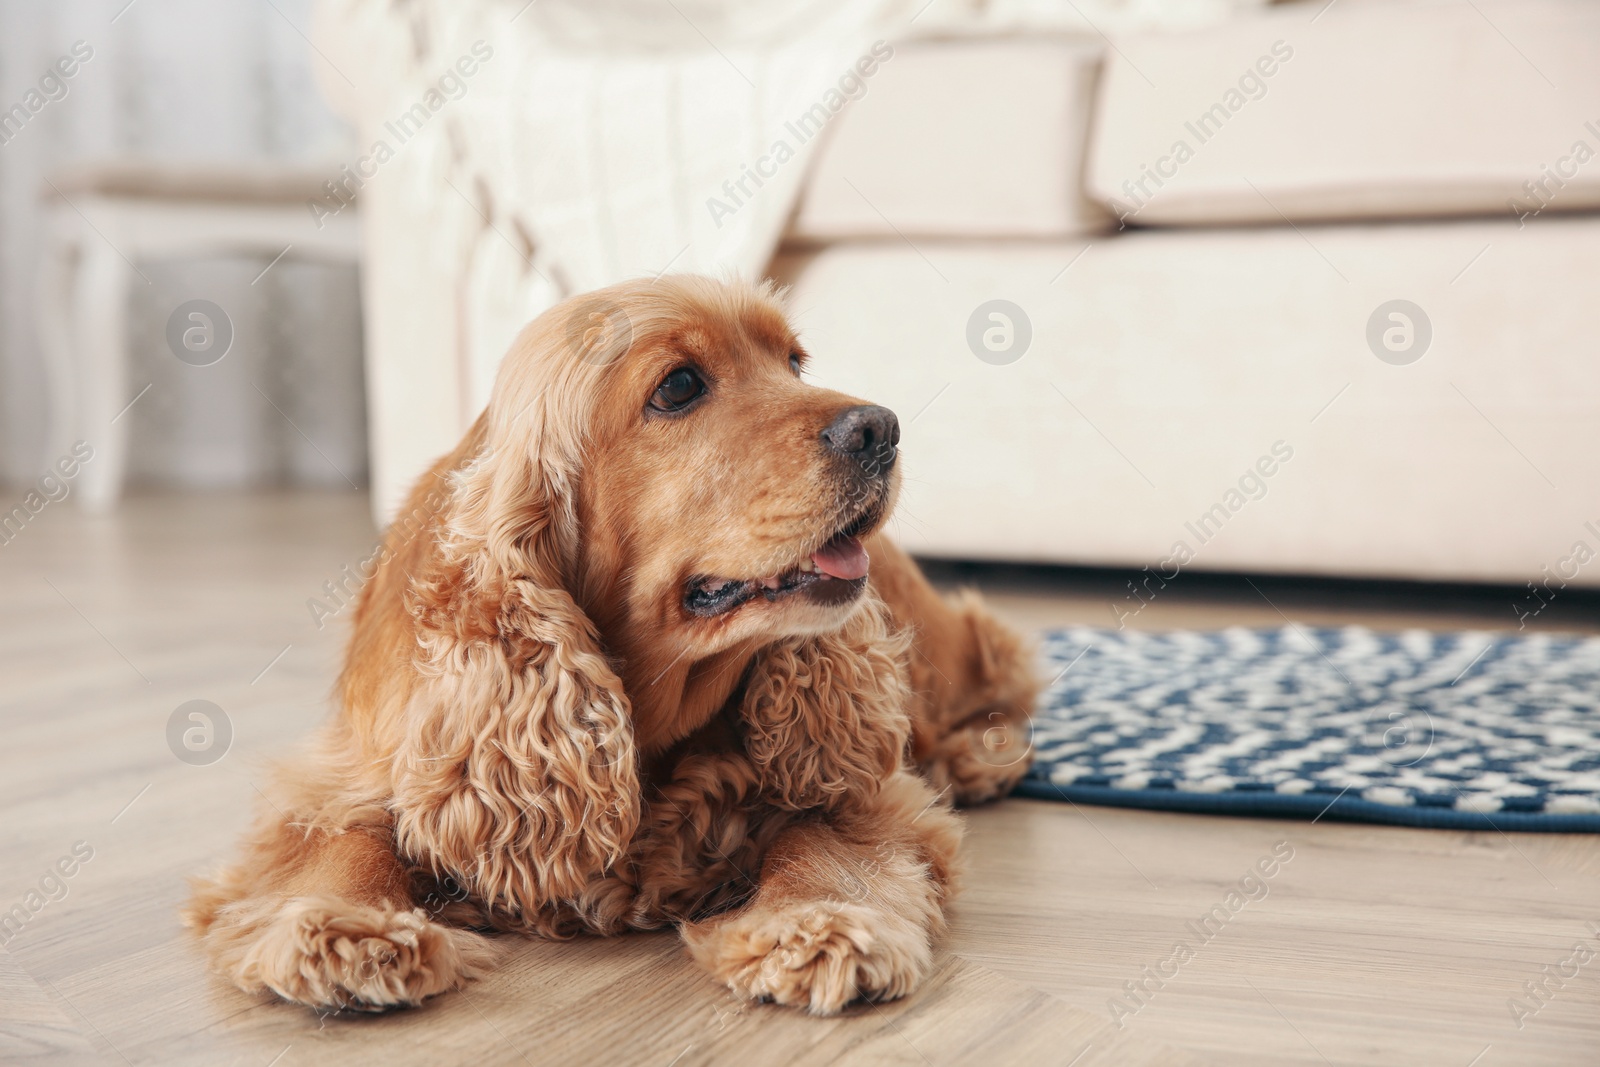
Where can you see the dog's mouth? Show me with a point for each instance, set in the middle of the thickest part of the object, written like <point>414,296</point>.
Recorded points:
<point>832,574</point>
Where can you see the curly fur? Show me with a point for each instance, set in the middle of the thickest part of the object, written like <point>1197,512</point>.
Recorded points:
<point>534,735</point>
<point>516,773</point>
<point>825,717</point>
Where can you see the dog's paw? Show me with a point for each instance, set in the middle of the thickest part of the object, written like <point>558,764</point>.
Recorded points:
<point>820,957</point>
<point>332,955</point>
<point>982,760</point>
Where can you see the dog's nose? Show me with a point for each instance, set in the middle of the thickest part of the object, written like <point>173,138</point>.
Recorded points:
<point>866,432</point>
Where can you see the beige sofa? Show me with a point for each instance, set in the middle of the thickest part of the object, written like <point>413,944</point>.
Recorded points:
<point>1220,308</point>
<point>1311,291</point>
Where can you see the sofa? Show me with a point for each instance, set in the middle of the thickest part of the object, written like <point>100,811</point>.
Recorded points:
<point>1309,290</point>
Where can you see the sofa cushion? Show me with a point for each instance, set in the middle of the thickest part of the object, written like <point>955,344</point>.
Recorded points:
<point>960,138</point>
<point>1368,110</point>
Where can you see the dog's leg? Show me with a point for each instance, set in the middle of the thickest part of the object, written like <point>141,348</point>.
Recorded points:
<point>973,678</point>
<point>846,907</point>
<point>326,918</point>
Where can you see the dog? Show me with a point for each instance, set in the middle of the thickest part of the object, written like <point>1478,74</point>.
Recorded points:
<point>639,655</point>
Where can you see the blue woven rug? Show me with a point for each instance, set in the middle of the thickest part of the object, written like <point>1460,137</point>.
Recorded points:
<point>1460,730</point>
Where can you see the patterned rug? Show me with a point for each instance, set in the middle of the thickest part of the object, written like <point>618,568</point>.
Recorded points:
<point>1462,730</point>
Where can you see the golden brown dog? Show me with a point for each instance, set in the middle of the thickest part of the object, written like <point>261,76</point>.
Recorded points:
<point>632,672</point>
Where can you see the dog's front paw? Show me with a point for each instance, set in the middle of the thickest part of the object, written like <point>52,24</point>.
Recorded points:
<point>816,956</point>
<point>332,955</point>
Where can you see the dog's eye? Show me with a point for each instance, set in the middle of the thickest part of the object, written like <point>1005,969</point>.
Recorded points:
<point>794,363</point>
<point>678,390</point>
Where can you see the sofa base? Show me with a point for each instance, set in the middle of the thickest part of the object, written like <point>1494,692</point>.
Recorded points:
<point>1209,398</point>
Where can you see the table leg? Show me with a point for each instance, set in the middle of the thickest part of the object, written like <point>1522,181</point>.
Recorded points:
<point>102,367</point>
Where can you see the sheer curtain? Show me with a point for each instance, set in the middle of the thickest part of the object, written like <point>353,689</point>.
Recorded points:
<point>182,80</point>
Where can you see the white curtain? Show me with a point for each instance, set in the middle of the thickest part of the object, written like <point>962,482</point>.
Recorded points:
<point>183,80</point>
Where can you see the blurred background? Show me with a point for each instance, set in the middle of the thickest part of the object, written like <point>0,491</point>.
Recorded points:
<point>203,85</point>
<point>1109,261</point>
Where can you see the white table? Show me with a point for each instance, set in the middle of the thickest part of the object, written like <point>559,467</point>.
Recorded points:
<point>104,219</point>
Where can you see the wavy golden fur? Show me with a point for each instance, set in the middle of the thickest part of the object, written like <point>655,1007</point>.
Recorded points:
<point>617,670</point>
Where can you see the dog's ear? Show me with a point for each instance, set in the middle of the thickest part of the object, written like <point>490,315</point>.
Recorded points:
<point>517,774</point>
<point>825,716</point>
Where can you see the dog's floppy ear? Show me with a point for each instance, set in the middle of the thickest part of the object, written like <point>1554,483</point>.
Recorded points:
<point>517,774</point>
<point>825,716</point>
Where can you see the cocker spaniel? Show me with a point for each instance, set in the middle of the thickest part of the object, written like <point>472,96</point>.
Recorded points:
<point>623,666</point>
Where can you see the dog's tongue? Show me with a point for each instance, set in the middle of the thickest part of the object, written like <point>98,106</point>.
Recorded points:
<point>843,557</point>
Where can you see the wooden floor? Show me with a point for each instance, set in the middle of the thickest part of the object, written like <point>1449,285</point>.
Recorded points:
<point>1371,945</point>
